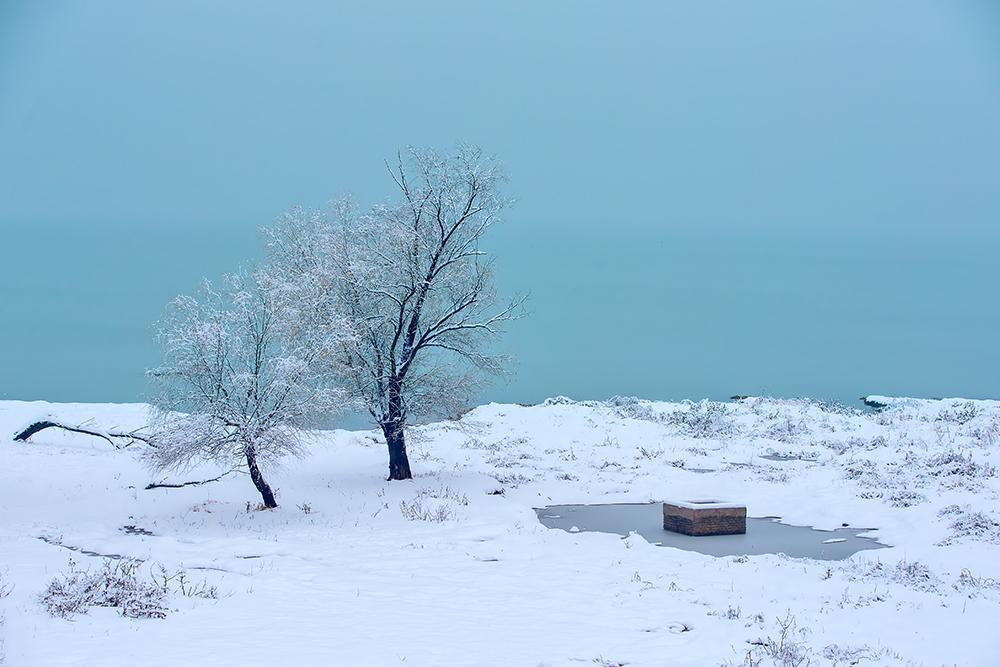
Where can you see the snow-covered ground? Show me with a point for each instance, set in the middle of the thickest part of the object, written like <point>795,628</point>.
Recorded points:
<point>453,568</point>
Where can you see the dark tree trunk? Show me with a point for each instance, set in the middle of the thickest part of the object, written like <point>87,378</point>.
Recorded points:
<point>399,462</point>
<point>258,480</point>
<point>392,428</point>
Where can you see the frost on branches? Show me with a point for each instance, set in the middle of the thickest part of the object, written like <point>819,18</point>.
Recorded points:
<point>411,278</point>
<point>242,377</point>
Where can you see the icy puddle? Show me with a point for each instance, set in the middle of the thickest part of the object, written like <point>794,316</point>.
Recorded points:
<point>764,535</point>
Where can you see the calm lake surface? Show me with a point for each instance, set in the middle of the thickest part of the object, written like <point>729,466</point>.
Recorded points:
<point>658,314</point>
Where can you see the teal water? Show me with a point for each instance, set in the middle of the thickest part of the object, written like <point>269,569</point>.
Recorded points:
<point>792,200</point>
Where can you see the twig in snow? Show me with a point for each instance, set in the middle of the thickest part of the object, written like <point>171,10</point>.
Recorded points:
<point>164,485</point>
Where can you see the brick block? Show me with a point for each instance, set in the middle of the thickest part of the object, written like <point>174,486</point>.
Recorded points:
<point>704,517</point>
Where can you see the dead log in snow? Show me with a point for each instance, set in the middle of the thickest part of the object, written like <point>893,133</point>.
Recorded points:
<point>34,428</point>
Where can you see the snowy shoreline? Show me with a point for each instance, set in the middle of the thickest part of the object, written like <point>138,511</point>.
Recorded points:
<point>457,563</point>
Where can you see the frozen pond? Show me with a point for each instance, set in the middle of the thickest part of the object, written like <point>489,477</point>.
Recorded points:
<point>765,535</point>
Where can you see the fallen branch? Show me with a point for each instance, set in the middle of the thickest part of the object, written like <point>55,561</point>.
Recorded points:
<point>34,428</point>
<point>164,485</point>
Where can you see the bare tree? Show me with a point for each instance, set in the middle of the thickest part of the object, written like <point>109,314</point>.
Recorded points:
<point>413,281</point>
<point>242,379</point>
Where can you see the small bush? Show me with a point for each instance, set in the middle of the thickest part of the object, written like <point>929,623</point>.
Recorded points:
<point>511,479</point>
<point>912,574</point>
<point>856,655</point>
<point>784,650</point>
<point>178,582</point>
<point>114,585</point>
<point>436,506</point>
<point>731,613</point>
<point>631,407</point>
<point>959,414</point>
<point>558,400</point>
<point>705,419</point>
<point>117,585</point>
<point>649,453</point>
<point>786,430</point>
<point>906,498</point>
<point>417,510</point>
<point>969,524</point>
<point>974,586</point>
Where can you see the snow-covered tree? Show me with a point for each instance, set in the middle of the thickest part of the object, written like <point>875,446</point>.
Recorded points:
<point>242,377</point>
<point>413,281</point>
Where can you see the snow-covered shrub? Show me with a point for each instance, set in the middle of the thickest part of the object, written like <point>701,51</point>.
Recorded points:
<point>731,613</point>
<point>974,586</point>
<point>898,480</point>
<point>968,524</point>
<point>631,407</point>
<point>987,435</point>
<point>787,649</point>
<point>511,479</point>
<point>114,585</point>
<point>521,446</point>
<point>504,460</point>
<point>644,453</point>
<point>837,408</point>
<point>787,429</point>
<point>887,417</point>
<point>877,479</point>
<point>476,443</point>
<point>912,574</point>
<point>959,414</point>
<point>705,419</point>
<point>955,464</point>
<point>178,582</point>
<point>768,473</point>
<point>118,584</point>
<point>433,505</point>
<point>418,510</point>
<point>601,661</point>
<point>558,400</point>
<point>906,498</point>
<point>878,442</point>
<point>856,655</point>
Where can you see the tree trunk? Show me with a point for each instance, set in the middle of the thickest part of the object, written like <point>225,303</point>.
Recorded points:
<point>392,428</point>
<point>258,480</point>
<point>399,462</point>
